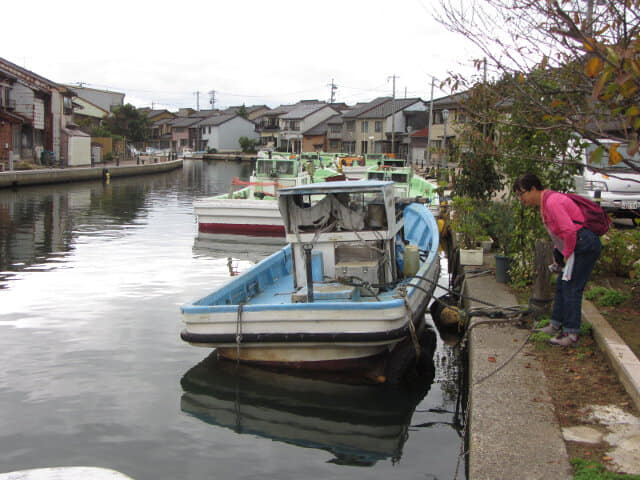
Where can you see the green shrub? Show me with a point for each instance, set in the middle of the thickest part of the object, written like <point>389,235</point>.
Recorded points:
<point>605,297</point>
<point>620,249</point>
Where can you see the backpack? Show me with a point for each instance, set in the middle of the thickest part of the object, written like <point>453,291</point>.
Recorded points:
<point>595,218</point>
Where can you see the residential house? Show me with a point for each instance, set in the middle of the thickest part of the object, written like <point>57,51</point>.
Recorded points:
<point>385,128</point>
<point>103,99</point>
<point>88,115</point>
<point>253,112</point>
<point>305,115</point>
<point>355,140</point>
<point>184,133</point>
<point>160,134</point>
<point>155,115</point>
<point>268,125</point>
<point>223,131</point>
<point>36,117</point>
<point>334,134</point>
<point>447,122</point>
<point>316,138</point>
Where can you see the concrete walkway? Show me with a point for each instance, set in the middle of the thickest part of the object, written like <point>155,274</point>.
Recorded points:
<point>41,176</point>
<point>512,429</point>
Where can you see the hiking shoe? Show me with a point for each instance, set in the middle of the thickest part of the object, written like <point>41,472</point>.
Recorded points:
<point>565,340</point>
<point>550,328</point>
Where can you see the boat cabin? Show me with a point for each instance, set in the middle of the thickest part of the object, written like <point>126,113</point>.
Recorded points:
<point>342,233</point>
<point>400,176</point>
<point>277,167</point>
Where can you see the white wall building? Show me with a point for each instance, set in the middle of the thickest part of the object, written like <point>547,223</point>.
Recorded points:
<point>223,132</point>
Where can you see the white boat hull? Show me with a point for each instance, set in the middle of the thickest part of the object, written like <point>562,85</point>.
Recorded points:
<point>239,217</point>
<point>355,307</point>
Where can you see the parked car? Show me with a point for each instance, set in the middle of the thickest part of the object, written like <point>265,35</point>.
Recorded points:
<point>615,186</point>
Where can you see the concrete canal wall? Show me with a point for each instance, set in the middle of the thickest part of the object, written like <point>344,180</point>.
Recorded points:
<point>44,176</point>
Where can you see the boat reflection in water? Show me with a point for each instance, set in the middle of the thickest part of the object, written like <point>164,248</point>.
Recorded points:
<point>359,424</point>
<point>235,248</point>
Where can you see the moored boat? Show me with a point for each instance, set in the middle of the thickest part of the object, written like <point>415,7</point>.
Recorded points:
<point>250,208</point>
<point>350,286</point>
<point>407,183</point>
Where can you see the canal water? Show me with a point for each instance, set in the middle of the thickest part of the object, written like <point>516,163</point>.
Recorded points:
<point>94,372</point>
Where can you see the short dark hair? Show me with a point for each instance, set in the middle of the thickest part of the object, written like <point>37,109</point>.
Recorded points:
<point>526,182</point>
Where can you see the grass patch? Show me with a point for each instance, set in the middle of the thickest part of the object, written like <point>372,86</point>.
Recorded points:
<point>606,297</point>
<point>541,339</point>
<point>590,470</point>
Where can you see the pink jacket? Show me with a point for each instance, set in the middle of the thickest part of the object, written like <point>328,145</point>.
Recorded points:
<point>558,214</point>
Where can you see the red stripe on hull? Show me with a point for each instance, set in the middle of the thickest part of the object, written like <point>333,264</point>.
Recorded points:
<point>251,230</point>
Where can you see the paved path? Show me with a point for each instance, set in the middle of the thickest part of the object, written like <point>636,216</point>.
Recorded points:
<point>513,432</point>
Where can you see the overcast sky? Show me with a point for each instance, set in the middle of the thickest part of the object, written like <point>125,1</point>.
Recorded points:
<point>247,51</point>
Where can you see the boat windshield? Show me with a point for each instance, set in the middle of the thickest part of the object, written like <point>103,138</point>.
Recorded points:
<point>273,167</point>
<point>400,177</point>
<point>355,211</point>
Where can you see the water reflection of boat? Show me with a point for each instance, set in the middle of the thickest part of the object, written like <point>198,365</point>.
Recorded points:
<point>241,247</point>
<point>360,424</point>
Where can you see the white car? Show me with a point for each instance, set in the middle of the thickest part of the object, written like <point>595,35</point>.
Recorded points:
<point>616,187</point>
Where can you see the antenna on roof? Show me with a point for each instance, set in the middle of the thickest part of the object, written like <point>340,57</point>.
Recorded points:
<point>197,94</point>
<point>334,87</point>
<point>212,98</point>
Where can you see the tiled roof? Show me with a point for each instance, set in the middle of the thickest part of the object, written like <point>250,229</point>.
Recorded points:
<point>385,109</point>
<point>184,121</point>
<point>322,127</point>
<point>303,110</point>
<point>217,119</point>
<point>361,108</point>
<point>280,110</point>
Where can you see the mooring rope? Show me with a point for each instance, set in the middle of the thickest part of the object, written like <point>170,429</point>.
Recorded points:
<point>402,289</point>
<point>239,331</point>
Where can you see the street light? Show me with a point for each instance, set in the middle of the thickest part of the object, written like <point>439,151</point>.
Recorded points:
<point>371,139</point>
<point>445,116</point>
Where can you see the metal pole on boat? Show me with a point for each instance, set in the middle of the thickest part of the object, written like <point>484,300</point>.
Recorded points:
<point>307,247</point>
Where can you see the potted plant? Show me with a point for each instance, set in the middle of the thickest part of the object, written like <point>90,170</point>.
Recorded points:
<point>501,227</point>
<point>468,227</point>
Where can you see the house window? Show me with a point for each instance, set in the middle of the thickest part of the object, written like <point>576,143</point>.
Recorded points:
<point>378,126</point>
<point>350,125</point>
<point>336,128</point>
<point>365,126</point>
<point>363,145</point>
<point>67,105</point>
<point>294,125</point>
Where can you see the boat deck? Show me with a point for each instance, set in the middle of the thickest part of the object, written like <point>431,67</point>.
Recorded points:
<point>280,293</point>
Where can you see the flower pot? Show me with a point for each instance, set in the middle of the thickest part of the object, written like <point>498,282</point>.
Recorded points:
<point>503,264</point>
<point>486,245</point>
<point>471,256</point>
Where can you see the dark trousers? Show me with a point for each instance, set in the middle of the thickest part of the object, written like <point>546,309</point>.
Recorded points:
<point>567,305</point>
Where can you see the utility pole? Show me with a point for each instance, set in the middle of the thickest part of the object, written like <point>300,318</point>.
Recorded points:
<point>393,115</point>
<point>212,98</point>
<point>334,87</point>
<point>430,125</point>
<point>197,94</point>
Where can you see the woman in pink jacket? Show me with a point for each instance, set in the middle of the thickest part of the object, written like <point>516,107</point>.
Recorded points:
<point>579,250</point>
